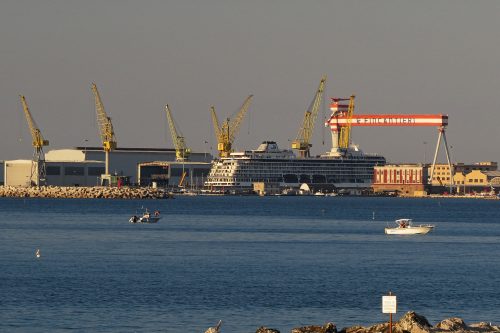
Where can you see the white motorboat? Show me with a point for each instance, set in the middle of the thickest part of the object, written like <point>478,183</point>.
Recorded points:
<point>146,217</point>
<point>406,227</point>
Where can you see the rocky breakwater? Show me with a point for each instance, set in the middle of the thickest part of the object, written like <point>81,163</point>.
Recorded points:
<point>84,192</point>
<point>409,323</point>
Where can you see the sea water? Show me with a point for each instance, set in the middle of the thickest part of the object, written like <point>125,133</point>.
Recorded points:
<point>281,262</point>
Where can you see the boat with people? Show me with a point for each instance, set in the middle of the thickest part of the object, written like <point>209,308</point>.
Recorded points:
<point>146,217</point>
<point>406,227</point>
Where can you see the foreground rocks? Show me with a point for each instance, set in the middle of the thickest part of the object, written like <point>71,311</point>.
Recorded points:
<point>409,323</point>
<point>327,328</point>
<point>84,192</point>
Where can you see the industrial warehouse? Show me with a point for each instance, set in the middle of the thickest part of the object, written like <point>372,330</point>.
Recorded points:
<point>84,166</point>
<point>345,169</point>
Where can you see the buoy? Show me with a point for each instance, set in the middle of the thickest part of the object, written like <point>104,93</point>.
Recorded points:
<point>37,253</point>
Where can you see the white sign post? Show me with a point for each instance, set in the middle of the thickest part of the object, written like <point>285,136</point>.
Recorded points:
<point>389,305</point>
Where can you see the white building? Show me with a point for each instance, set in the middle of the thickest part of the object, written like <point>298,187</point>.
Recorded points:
<point>73,171</point>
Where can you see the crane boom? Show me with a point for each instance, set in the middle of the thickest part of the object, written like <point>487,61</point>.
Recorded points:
<point>226,133</point>
<point>303,140</point>
<point>216,123</point>
<point>38,168</point>
<point>235,123</point>
<point>106,131</point>
<point>36,135</point>
<point>182,152</point>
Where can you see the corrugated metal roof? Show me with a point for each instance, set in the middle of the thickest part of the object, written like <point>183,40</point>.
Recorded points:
<point>149,150</point>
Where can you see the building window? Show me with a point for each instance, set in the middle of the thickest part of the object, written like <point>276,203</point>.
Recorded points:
<point>95,171</point>
<point>53,170</point>
<point>74,171</point>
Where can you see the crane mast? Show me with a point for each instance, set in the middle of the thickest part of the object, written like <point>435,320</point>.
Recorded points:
<point>182,152</point>
<point>226,133</point>
<point>106,131</point>
<point>345,131</point>
<point>303,140</point>
<point>38,168</point>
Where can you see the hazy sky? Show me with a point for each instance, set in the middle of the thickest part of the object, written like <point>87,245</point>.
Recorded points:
<point>430,56</point>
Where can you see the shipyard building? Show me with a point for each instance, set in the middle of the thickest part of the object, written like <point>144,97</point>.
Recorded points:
<point>83,166</point>
<point>415,179</point>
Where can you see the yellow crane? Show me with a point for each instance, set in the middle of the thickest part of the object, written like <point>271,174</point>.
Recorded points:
<point>183,178</point>
<point>106,131</point>
<point>303,140</point>
<point>216,123</point>
<point>226,132</point>
<point>345,131</point>
<point>182,152</point>
<point>38,170</point>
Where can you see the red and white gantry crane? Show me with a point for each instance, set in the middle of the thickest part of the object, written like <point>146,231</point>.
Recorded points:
<point>343,118</point>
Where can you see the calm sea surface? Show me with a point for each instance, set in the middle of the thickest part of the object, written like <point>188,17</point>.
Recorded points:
<point>281,262</point>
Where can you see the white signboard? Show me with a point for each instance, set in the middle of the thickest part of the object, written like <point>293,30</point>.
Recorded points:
<point>389,304</point>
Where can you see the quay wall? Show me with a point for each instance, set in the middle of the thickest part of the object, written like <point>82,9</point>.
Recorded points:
<point>83,192</point>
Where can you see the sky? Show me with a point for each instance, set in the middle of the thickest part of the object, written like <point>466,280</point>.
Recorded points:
<point>402,57</point>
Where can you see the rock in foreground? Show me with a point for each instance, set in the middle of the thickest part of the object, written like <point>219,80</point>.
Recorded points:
<point>411,322</point>
<point>327,328</point>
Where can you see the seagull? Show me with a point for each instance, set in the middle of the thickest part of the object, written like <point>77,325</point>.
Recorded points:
<point>37,253</point>
<point>214,329</point>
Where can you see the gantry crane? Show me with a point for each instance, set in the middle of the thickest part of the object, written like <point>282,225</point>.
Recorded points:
<point>38,170</point>
<point>303,140</point>
<point>342,121</point>
<point>182,152</point>
<point>106,131</point>
<point>226,132</point>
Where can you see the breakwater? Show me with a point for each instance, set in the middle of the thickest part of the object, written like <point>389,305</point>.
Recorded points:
<point>84,192</point>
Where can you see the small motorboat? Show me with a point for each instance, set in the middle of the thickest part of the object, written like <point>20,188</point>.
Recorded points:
<point>406,227</point>
<point>146,217</point>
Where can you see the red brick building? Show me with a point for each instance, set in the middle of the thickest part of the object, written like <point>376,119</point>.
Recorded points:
<point>400,179</point>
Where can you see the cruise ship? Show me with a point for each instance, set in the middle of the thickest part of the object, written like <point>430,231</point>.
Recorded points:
<point>340,170</point>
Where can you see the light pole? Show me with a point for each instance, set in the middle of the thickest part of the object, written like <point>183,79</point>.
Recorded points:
<point>85,141</point>
<point>425,146</point>
<point>206,143</point>
<point>452,172</point>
